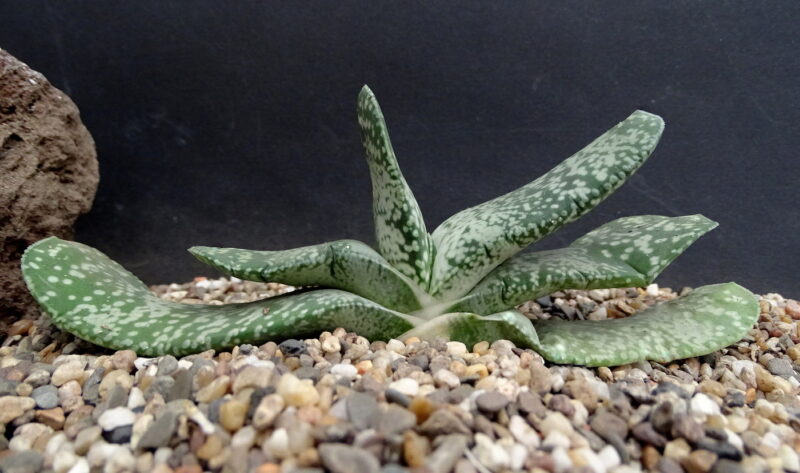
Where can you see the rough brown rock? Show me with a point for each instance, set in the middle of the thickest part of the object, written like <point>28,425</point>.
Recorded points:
<point>49,173</point>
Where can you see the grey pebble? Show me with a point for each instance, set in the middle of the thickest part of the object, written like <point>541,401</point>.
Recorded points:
<point>91,387</point>
<point>160,431</point>
<point>684,426</point>
<point>645,433</point>
<point>161,385</point>
<point>457,395</point>
<point>362,410</point>
<point>443,422</point>
<point>530,403</point>
<point>444,458</point>
<point>307,372</point>
<point>46,396</point>
<point>393,468</point>
<point>395,420</point>
<point>30,461</point>
<point>560,403</point>
<point>723,465</point>
<point>780,367</point>
<point>182,388</point>
<point>341,458</point>
<point>661,417</point>
<point>397,397</point>
<point>421,361</point>
<point>668,465</point>
<point>734,398</point>
<point>292,347</point>
<point>119,435</point>
<point>167,365</point>
<point>118,397</point>
<point>721,448</point>
<point>8,387</point>
<point>491,402</point>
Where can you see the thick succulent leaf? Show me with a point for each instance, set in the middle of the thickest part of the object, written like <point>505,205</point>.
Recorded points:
<point>94,298</point>
<point>472,328</point>
<point>399,227</point>
<point>705,320</point>
<point>473,242</point>
<point>345,264</point>
<point>630,251</point>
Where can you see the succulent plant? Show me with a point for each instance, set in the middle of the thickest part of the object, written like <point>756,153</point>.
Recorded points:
<point>462,281</point>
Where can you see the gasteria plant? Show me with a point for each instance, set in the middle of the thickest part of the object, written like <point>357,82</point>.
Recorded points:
<point>462,281</point>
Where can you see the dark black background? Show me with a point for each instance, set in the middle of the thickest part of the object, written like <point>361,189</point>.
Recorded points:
<point>233,123</point>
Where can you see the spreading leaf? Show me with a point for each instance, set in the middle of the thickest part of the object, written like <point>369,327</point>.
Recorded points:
<point>472,328</point>
<point>345,264</point>
<point>399,227</point>
<point>474,241</point>
<point>707,319</point>
<point>630,251</point>
<point>91,296</point>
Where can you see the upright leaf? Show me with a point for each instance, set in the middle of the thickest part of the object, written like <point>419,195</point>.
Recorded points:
<point>474,241</point>
<point>399,227</point>
<point>345,264</point>
<point>91,296</point>
<point>707,319</point>
<point>630,251</point>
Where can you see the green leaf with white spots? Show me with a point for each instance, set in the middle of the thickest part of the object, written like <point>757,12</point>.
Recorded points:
<point>474,241</point>
<point>94,298</point>
<point>472,328</point>
<point>707,319</point>
<point>345,264</point>
<point>399,227</point>
<point>630,251</point>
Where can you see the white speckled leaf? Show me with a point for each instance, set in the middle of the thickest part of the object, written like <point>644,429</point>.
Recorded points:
<point>474,241</point>
<point>345,264</point>
<point>630,251</point>
<point>94,298</point>
<point>707,319</point>
<point>472,328</point>
<point>399,227</point>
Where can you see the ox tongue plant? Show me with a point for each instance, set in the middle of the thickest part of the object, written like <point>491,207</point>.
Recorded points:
<point>461,282</point>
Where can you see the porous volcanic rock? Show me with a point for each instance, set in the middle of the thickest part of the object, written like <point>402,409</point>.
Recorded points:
<point>49,173</point>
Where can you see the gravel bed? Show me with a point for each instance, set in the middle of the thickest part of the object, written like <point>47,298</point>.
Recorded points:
<point>343,404</point>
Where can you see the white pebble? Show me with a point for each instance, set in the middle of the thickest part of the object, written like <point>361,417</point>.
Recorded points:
<point>524,433</point>
<point>517,455</point>
<point>703,405</point>
<point>63,461</point>
<point>609,457</point>
<point>81,466</point>
<point>652,290</point>
<point>277,444</point>
<point>493,457</point>
<point>116,417</point>
<point>135,398</point>
<point>561,460</point>
<point>344,370</point>
<point>556,439</point>
<point>789,458</point>
<point>447,378</point>
<point>396,346</point>
<point>407,386</point>
<point>456,348</point>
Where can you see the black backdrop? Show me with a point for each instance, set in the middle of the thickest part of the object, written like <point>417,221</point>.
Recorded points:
<point>233,123</point>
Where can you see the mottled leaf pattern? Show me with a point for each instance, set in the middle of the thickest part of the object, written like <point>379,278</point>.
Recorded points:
<point>474,241</point>
<point>345,264</point>
<point>472,328</point>
<point>707,319</point>
<point>399,227</point>
<point>466,268</point>
<point>91,296</point>
<point>630,251</point>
